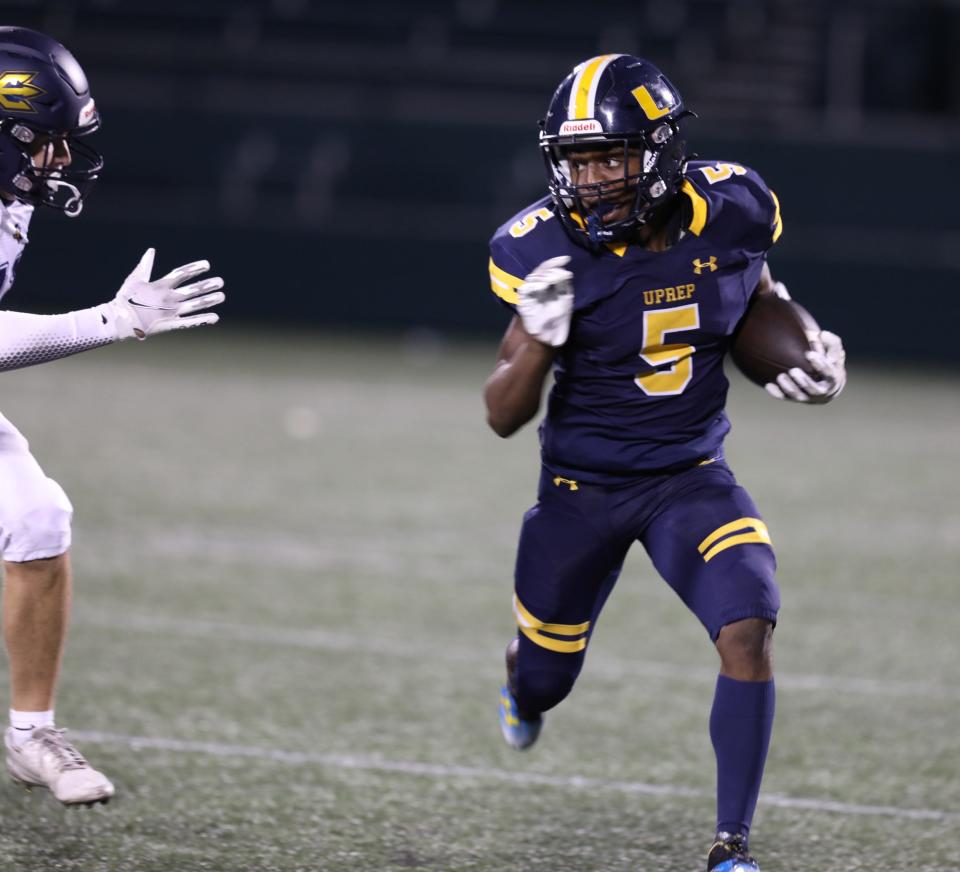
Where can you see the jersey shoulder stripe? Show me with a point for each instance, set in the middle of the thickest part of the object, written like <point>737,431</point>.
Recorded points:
<point>777,220</point>
<point>503,284</point>
<point>699,208</point>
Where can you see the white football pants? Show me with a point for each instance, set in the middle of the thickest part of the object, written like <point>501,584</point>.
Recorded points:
<point>35,512</point>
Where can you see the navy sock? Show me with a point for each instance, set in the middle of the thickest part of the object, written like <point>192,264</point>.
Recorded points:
<point>740,725</point>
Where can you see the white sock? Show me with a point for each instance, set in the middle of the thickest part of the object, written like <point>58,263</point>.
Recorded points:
<point>24,723</point>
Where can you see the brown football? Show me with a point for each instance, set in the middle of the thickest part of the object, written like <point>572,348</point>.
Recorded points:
<point>772,337</point>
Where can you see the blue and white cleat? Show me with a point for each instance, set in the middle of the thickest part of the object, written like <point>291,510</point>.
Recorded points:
<point>519,733</point>
<point>729,854</point>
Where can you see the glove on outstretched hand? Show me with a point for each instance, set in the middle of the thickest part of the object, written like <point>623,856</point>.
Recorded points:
<point>144,308</point>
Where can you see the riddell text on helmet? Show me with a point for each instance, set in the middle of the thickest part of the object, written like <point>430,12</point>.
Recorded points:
<point>589,125</point>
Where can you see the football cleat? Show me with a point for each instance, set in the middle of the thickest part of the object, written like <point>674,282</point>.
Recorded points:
<point>728,853</point>
<point>520,733</point>
<point>48,760</point>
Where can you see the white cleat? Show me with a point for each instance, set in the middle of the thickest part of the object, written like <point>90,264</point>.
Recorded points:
<point>47,759</point>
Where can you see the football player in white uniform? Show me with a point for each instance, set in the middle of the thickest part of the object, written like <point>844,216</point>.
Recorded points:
<point>45,110</point>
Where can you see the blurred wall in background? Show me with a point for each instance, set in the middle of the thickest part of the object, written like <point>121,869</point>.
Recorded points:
<point>344,164</point>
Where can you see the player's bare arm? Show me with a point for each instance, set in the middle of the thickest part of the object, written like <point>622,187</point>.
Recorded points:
<point>542,324</point>
<point>513,391</point>
<point>766,285</point>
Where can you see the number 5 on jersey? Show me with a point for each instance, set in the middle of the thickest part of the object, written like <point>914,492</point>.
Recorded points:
<point>657,323</point>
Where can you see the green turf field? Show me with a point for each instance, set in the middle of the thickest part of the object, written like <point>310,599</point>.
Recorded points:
<point>294,559</point>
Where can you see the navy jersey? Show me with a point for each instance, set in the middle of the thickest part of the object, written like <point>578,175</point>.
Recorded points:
<point>639,385</point>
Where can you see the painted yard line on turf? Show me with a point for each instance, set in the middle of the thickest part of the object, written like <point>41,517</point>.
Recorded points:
<point>600,665</point>
<point>441,771</point>
<point>225,547</point>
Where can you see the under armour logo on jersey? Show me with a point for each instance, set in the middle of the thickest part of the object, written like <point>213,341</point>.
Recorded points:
<point>700,265</point>
<point>569,482</point>
<point>16,91</point>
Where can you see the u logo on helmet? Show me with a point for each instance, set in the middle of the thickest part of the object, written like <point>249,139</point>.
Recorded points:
<point>649,105</point>
<point>16,91</point>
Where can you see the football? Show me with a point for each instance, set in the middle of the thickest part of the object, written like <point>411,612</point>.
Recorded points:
<point>772,337</point>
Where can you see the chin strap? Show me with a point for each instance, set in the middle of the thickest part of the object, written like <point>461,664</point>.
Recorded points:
<point>595,229</point>
<point>74,202</point>
<point>598,232</point>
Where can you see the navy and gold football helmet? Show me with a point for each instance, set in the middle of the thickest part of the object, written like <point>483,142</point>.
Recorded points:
<point>44,99</point>
<point>614,101</point>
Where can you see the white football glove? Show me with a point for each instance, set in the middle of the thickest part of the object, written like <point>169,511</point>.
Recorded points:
<point>780,289</point>
<point>545,301</point>
<point>827,358</point>
<point>144,308</point>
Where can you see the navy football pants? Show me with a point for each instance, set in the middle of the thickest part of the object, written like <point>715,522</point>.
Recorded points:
<point>701,530</point>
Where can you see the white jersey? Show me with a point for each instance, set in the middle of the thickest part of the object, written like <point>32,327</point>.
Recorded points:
<point>14,221</point>
<point>26,340</point>
<point>34,511</point>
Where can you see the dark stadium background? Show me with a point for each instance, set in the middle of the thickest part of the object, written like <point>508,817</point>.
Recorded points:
<point>343,164</point>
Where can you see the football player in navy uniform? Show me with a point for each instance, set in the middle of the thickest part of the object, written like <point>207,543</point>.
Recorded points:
<point>45,111</point>
<point>627,281</point>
